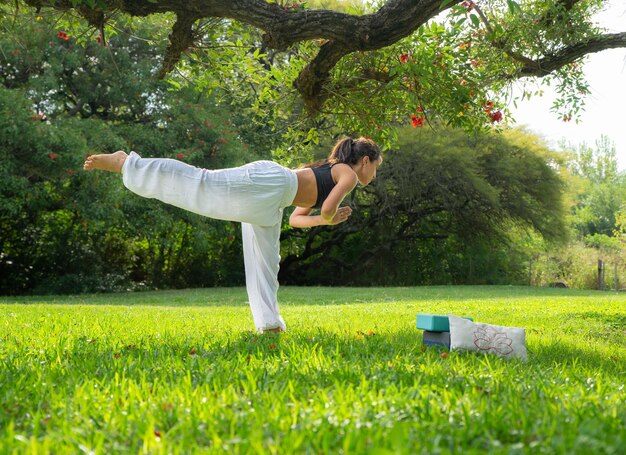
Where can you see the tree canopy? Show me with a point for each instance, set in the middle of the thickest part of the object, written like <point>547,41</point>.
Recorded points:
<point>446,66</point>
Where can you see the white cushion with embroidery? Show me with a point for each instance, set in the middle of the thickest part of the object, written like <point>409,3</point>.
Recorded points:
<point>487,338</point>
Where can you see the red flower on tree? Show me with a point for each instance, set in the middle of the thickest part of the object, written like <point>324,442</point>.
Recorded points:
<point>404,58</point>
<point>495,116</point>
<point>417,121</point>
<point>180,156</point>
<point>468,5</point>
<point>53,156</point>
<point>63,36</point>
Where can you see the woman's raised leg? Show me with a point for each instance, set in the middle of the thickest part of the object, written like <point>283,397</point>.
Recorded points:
<point>216,193</point>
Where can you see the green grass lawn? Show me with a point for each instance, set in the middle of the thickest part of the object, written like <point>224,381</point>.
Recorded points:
<point>183,372</point>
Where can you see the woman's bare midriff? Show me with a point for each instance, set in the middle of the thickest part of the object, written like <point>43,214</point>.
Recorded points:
<point>307,188</point>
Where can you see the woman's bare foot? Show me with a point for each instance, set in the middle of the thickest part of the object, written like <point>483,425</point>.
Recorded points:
<point>111,162</point>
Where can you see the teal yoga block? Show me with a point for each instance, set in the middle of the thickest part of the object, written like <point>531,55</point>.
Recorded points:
<point>434,323</point>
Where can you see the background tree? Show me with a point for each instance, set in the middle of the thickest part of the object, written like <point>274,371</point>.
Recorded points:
<point>602,191</point>
<point>445,208</point>
<point>595,199</point>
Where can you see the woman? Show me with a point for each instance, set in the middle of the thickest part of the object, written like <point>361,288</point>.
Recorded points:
<point>255,195</point>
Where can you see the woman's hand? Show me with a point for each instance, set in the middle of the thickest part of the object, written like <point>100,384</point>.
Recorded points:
<point>343,213</point>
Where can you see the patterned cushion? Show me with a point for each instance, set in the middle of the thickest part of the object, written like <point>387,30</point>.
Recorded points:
<point>487,338</point>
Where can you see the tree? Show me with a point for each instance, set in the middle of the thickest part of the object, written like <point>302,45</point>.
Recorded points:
<point>602,188</point>
<point>400,56</point>
<point>595,197</point>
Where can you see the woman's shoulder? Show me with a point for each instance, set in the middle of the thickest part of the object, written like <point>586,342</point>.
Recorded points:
<point>343,171</point>
<point>342,167</point>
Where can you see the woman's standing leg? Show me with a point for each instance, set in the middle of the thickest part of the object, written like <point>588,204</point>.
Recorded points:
<point>261,252</point>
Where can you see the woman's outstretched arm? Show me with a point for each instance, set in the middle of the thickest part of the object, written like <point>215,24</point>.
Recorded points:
<point>301,217</point>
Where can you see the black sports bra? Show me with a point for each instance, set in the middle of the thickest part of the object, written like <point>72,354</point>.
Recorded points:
<point>325,183</point>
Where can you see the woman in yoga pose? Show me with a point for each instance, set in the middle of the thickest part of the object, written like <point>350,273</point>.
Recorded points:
<point>255,195</point>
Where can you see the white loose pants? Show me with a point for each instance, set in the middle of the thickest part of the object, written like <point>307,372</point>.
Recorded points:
<point>254,194</point>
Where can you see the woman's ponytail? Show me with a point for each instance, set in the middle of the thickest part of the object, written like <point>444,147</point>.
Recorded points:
<point>350,151</point>
<point>342,151</point>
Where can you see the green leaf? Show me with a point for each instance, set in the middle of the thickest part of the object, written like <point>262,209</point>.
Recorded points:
<point>475,20</point>
<point>459,22</point>
<point>174,83</point>
<point>312,136</point>
<point>513,6</point>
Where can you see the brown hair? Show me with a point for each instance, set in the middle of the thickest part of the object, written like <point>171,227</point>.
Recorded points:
<point>350,151</point>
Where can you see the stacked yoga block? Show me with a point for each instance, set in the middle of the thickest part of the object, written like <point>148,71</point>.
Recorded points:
<point>436,329</point>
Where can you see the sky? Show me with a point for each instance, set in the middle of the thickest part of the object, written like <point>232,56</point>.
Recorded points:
<point>605,107</point>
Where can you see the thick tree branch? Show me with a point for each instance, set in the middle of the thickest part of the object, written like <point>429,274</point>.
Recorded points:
<point>394,21</point>
<point>312,77</point>
<point>546,65</point>
<point>181,39</point>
